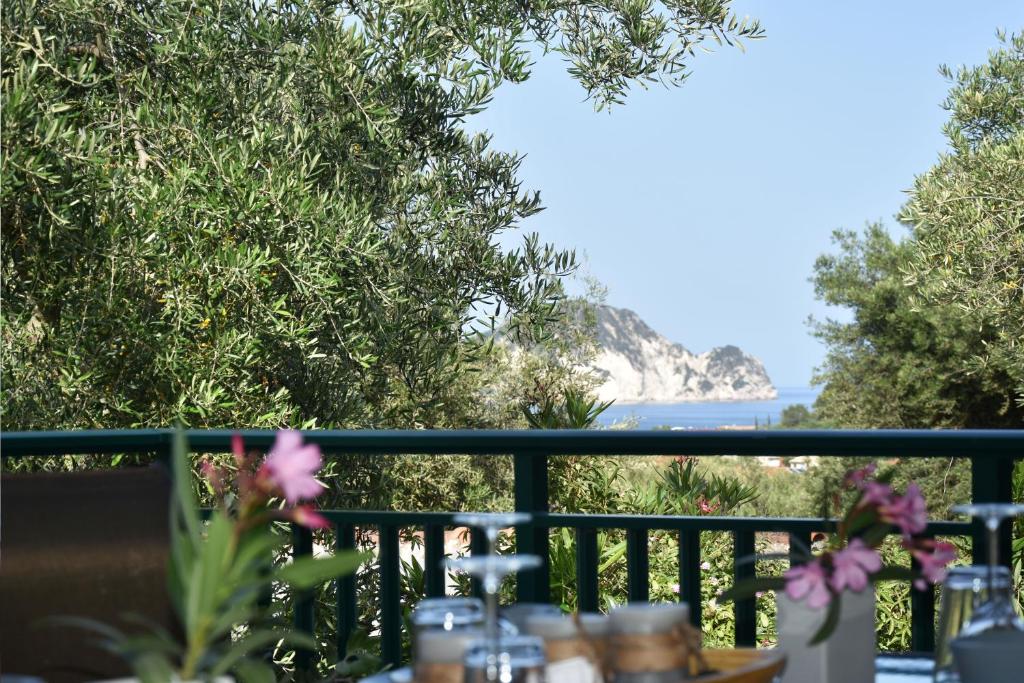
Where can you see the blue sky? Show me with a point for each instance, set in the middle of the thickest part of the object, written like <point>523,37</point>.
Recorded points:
<point>703,207</point>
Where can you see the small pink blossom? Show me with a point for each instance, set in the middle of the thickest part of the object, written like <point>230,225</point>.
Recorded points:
<point>705,566</point>
<point>706,506</point>
<point>857,478</point>
<point>876,493</point>
<point>291,466</point>
<point>933,564</point>
<point>238,449</point>
<point>852,564</point>
<point>675,588</point>
<point>908,511</point>
<point>308,517</point>
<point>808,581</point>
<point>214,475</point>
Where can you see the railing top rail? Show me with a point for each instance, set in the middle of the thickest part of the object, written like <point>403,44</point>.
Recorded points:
<point>986,443</point>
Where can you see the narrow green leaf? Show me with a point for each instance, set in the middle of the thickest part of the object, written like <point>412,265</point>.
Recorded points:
<point>750,587</point>
<point>308,572</point>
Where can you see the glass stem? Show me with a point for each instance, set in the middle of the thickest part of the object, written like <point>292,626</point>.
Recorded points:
<point>992,523</point>
<point>491,586</point>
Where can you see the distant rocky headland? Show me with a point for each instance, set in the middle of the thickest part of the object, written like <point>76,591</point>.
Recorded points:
<point>640,366</point>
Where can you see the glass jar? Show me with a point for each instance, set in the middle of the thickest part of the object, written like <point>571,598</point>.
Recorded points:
<point>446,614</point>
<point>440,655</point>
<point>575,646</point>
<point>515,659</point>
<point>648,643</point>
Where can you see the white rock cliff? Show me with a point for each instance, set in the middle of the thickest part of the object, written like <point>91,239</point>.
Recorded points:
<point>639,365</point>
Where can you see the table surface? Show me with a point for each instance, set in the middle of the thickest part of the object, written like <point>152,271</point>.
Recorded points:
<point>888,670</point>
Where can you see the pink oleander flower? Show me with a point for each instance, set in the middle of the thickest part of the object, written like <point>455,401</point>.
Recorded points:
<point>876,493</point>
<point>291,466</point>
<point>852,564</point>
<point>908,511</point>
<point>308,517</point>
<point>706,506</point>
<point>857,478</point>
<point>933,563</point>
<point>238,449</point>
<point>214,475</point>
<point>808,581</point>
<point>675,588</point>
<point>705,566</point>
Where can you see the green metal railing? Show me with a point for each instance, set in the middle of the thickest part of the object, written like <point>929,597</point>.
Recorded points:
<point>992,454</point>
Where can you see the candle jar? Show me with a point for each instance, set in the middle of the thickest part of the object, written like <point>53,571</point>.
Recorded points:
<point>648,643</point>
<point>446,614</point>
<point>512,659</point>
<point>516,615</point>
<point>440,655</point>
<point>575,647</point>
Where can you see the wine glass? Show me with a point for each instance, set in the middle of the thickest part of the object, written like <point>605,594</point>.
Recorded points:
<point>996,613</point>
<point>491,523</point>
<point>964,589</point>
<point>491,570</point>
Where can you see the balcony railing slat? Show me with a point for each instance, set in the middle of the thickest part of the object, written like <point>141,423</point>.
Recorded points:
<point>433,556</point>
<point>303,608</point>
<point>689,573</point>
<point>638,571</point>
<point>587,559</point>
<point>745,610</point>
<point>477,547</point>
<point>346,608</point>
<point>799,545</point>
<point>922,616</point>
<point>390,596</point>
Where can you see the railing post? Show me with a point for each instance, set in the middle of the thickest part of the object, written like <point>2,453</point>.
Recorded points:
<point>303,606</point>
<point>743,568</point>
<point>991,482</point>
<point>531,496</point>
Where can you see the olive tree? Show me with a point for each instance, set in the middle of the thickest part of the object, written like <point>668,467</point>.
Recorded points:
<point>267,213</point>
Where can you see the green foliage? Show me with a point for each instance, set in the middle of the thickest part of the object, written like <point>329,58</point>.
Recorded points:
<point>264,214</point>
<point>967,212</point>
<point>943,482</point>
<point>938,318</point>
<point>576,411</point>
<point>797,416</point>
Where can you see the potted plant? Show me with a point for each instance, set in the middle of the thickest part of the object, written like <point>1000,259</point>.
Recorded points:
<point>832,593</point>
<point>221,570</point>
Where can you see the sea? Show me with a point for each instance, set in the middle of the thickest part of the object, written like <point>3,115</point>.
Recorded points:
<point>709,414</point>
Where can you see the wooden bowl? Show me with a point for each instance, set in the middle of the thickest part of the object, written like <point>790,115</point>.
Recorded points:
<point>743,665</point>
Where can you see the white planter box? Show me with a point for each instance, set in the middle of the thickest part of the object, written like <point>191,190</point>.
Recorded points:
<point>847,656</point>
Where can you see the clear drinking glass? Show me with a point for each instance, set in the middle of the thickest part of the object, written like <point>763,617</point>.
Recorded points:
<point>997,612</point>
<point>963,590</point>
<point>515,659</point>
